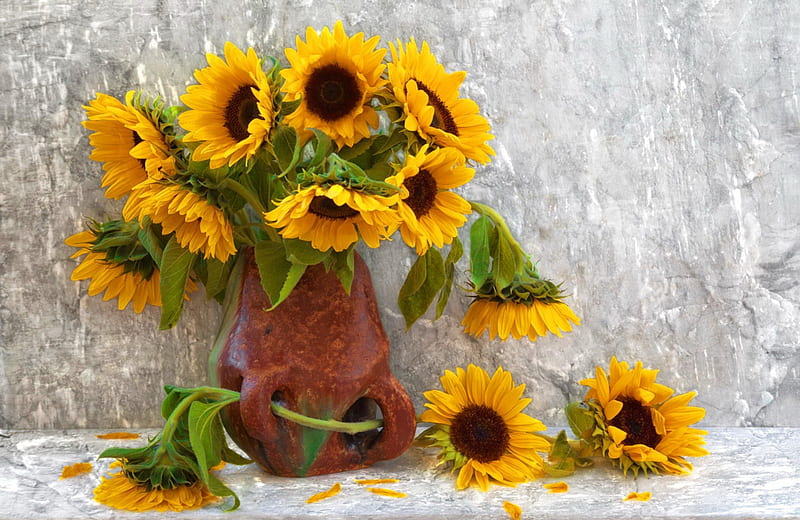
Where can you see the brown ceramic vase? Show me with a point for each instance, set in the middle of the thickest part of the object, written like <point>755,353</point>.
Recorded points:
<point>320,353</point>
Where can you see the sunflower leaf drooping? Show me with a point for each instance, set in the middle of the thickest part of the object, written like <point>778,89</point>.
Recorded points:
<point>481,431</point>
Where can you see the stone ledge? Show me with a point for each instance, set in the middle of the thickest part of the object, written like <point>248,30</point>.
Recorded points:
<point>751,473</point>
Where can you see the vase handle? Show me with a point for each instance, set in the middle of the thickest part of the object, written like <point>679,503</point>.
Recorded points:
<point>399,420</point>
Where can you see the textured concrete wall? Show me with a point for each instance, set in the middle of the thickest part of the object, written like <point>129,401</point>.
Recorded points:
<point>647,154</point>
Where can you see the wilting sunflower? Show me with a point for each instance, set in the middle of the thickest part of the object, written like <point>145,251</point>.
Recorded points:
<point>431,104</point>
<point>120,493</point>
<point>334,217</point>
<point>198,225</point>
<point>481,430</point>
<point>639,425</point>
<point>129,281</point>
<point>518,319</point>
<point>128,140</point>
<point>431,215</point>
<point>231,110</point>
<point>336,76</point>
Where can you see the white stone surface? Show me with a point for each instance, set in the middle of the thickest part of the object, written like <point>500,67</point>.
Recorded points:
<point>752,473</point>
<point>647,154</point>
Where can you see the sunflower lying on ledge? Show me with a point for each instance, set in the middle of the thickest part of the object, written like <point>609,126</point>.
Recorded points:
<point>340,147</point>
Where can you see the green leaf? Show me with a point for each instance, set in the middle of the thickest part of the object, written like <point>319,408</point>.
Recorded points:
<point>343,266</point>
<point>292,277</point>
<point>580,420</point>
<point>176,264</point>
<point>479,253</point>
<point>217,488</point>
<point>232,457</point>
<point>285,146</point>
<point>504,267</point>
<point>287,107</point>
<point>322,149</point>
<point>456,251</point>
<point>217,278</point>
<point>203,419</point>
<point>273,267</point>
<point>424,280</point>
<point>302,252</point>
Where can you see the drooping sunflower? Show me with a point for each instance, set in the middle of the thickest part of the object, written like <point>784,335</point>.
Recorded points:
<point>639,424</point>
<point>198,225</point>
<point>431,215</point>
<point>335,76</point>
<point>120,493</point>
<point>518,319</point>
<point>132,280</point>
<point>481,430</point>
<point>431,103</point>
<point>334,216</point>
<point>231,110</point>
<point>128,139</point>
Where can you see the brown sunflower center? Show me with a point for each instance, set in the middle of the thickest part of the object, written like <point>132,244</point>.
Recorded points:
<point>332,92</point>
<point>442,118</point>
<point>324,207</point>
<point>480,433</point>
<point>635,420</point>
<point>242,108</point>
<point>422,190</point>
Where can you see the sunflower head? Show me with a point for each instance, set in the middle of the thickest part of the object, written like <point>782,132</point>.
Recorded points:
<point>431,214</point>
<point>118,264</point>
<point>133,140</point>
<point>335,77</point>
<point>431,104</point>
<point>480,429</point>
<point>637,423</point>
<point>231,110</point>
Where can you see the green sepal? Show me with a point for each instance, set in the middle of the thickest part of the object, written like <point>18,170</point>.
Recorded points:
<point>176,264</point>
<point>425,278</point>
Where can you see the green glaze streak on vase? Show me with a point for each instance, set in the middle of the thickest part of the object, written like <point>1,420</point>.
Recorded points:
<point>230,308</point>
<point>313,441</point>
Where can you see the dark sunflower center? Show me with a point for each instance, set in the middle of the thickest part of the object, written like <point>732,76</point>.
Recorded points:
<point>442,118</point>
<point>480,433</point>
<point>332,92</point>
<point>326,208</point>
<point>242,108</point>
<point>422,190</point>
<point>635,420</point>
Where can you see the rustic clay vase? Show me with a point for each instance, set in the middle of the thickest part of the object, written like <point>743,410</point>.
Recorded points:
<point>321,353</point>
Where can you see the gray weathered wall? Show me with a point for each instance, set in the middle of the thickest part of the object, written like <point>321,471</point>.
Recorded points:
<point>647,153</point>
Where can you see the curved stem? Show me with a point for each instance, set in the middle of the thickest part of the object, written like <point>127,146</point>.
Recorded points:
<point>244,193</point>
<point>174,418</point>
<point>326,424</point>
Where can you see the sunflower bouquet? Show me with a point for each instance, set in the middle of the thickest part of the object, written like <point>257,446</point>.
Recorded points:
<point>349,144</point>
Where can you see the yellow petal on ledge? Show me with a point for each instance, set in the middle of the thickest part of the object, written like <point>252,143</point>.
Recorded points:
<point>334,490</point>
<point>76,469</point>
<point>373,481</point>
<point>118,435</point>
<point>387,492</point>
<point>557,487</point>
<point>639,497</point>
<point>513,510</point>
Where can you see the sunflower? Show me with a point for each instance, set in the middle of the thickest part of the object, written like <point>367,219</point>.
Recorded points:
<point>430,213</point>
<point>431,105</point>
<point>335,76</point>
<point>334,217</point>
<point>136,281</point>
<point>120,493</point>
<point>128,140</point>
<point>518,319</point>
<point>480,428</point>
<point>640,425</point>
<point>198,225</point>
<point>231,110</point>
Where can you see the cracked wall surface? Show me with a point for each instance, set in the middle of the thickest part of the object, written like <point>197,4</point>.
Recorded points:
<point>647,156</point>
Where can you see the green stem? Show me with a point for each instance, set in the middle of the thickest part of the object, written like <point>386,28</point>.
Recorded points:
<point>502,227</point>
<point>326,424</point>
<point>165,436</point>
<point>244,193</point>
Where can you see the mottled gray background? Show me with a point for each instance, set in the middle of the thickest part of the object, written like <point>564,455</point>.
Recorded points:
<point>646,152</point>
